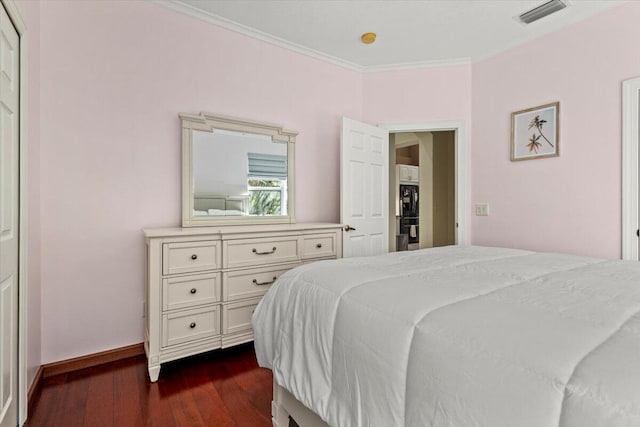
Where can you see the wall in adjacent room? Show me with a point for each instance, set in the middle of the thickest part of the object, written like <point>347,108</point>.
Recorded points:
<point>570,203</point>
<point>444,180</point>
<point>114,76</point>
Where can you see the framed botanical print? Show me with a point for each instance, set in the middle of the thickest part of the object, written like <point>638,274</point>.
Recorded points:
<point>534,132</point>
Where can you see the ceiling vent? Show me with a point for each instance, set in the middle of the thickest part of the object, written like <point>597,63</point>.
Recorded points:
<point>543,10</point>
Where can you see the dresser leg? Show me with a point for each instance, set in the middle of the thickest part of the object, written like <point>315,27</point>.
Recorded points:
<point>154,373</point>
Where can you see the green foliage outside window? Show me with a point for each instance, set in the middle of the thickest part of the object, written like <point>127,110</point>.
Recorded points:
<point>267,199</point>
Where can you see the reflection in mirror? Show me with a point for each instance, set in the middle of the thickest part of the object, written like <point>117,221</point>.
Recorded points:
<point>236,171</point>
<point>238,174</point>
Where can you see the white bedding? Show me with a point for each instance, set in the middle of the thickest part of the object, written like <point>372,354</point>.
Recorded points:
<point>458,336</point>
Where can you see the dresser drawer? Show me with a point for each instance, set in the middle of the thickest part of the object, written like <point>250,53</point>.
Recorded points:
<point>236,316</point>
<point>189,257</point>
<point>191,291</point>
<point>190,325</point>
<point>250,252</point>
<point>318,245</point>
<point>252,282</point>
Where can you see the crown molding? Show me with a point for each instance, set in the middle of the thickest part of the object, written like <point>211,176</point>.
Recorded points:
<point>179,6</point>
<point>212,18</point>
<point>415,65</point>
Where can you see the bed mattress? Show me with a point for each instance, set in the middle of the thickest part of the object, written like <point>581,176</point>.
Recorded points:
<point>458,337</point>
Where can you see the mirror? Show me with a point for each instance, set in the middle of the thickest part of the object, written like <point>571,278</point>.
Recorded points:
<point>236,171</point>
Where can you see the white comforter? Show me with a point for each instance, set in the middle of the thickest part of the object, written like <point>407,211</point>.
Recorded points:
<point>458,336</point>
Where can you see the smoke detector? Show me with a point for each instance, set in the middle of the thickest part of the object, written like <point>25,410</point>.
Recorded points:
<point>368,38</point>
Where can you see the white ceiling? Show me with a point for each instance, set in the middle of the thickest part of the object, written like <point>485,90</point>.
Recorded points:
<point>410,33</point>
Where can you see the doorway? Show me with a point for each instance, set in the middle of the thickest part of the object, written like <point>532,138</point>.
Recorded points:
<point>460,154</point>
<point>422,185</point>
<point>358,137</point>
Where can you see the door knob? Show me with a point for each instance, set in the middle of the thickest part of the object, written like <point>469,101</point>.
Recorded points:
<point>348,228</point>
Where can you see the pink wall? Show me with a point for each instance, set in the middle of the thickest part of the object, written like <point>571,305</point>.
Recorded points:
<point>419,95</point>
<point>114,76</point>
<point>30,13</point>
<point>570,203</point>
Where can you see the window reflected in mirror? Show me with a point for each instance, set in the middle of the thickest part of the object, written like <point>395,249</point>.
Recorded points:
<point>238,174</point>
<point>267,184</point>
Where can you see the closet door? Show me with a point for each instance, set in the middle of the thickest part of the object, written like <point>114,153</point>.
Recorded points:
<point>9,202</point>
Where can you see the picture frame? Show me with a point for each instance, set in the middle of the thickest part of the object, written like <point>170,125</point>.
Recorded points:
<point>535,132</point>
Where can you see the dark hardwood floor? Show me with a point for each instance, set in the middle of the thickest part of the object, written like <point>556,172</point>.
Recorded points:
<point>221,388</point>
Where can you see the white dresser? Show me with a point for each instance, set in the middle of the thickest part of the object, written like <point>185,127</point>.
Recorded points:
<point>204,283</point>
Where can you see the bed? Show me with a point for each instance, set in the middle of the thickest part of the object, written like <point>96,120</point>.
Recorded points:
<point>454,336</point>
<point>210,204</point>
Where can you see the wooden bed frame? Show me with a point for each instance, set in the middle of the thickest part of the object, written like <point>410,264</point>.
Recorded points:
<point>285,406</point>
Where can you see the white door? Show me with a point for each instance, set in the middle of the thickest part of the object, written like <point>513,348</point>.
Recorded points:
<point>364,188</point>
<point>9,127</point>
<point>631,169</point>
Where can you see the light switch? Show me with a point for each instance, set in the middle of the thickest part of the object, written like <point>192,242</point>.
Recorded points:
<point>482,209</point>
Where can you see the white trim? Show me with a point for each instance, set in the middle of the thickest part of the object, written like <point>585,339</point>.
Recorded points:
<point>532,36</point>
<point>212,18</point>
<point>630,160</point>
<point>187,9</point>
<point>413,65</point>
<point>461,164</point>
<point>23,388</point>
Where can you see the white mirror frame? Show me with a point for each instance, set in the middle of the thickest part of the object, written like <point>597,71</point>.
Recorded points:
<point>208,122</point>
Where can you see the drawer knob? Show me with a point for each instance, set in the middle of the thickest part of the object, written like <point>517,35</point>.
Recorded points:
<point>255,282</point>
<point>192,325</point>
<point>255,251</point>
<point>194,256</point>
<point>193,290</point>
<point>319,245</point>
